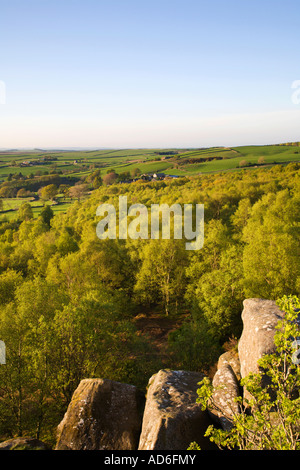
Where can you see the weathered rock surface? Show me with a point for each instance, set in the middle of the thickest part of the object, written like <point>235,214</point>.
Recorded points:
<point>226,388</point>
<point>232,359</point>
<point>260,318</point>
<point>172,418</point>
<point>23,443</point>
<point>102,415</point>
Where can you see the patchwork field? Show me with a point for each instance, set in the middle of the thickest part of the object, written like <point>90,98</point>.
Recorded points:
<point>147,160</point>
<point>67,168</point>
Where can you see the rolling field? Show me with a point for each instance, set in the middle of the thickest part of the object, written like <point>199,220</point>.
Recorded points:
<point>177,162</point>
<point>147,160</point>
<point>232,157</point>
<point>11,206</point>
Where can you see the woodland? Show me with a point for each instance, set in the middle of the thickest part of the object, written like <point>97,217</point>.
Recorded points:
<point>70,302</point>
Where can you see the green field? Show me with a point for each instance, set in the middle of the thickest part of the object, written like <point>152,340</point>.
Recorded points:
<point>147,160</point>
<point>77,165</point>
<point>232,157</point>
<point>11,206</point>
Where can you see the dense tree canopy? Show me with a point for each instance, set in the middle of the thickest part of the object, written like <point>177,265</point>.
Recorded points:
<point>68,300</point>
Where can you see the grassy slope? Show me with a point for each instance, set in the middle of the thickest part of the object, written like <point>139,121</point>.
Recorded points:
<point>128,159</point>
<point>232,157</point>
<point>144,159</point>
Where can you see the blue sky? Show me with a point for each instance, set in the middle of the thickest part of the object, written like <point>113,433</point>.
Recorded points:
<point>112,73</point>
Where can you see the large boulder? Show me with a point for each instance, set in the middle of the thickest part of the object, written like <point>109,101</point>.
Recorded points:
<point>102,415</point>
<point>172,418</point>
<point>260,318</point>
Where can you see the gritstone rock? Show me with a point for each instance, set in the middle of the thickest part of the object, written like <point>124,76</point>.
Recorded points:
<point>102,415</point>
<point>172,418</point>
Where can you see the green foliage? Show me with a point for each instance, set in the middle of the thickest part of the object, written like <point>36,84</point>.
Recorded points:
<point>53,341</point>
<point>48,192</point>
<point>9,280</point>
<point>161,275</point>
<point>271,255</point>
<point>46,214</point>
<point>270,418</point>
<point>25,211</point>
<point>69,300</point>
<point>194,345</point>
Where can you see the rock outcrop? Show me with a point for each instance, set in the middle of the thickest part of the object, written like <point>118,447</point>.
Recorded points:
<point>102,415</point>
<point>260,318</point>
<point>107,415</point>
<point>172,418</point>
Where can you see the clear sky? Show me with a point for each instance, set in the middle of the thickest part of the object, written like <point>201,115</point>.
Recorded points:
<point>148,73</point>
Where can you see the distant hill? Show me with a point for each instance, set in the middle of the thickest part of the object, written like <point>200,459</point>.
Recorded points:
<point>77,164</point>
